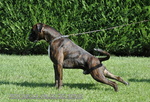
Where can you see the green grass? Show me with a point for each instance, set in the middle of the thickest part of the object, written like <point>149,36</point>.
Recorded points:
<point>34,76</point>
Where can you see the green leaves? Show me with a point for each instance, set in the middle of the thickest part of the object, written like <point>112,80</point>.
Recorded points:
<point>76,16</point>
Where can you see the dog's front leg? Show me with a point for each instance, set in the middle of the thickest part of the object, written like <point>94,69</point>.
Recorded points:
<point>58,75</point>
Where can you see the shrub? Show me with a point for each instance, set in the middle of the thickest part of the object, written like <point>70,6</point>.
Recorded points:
<point>74,16</point>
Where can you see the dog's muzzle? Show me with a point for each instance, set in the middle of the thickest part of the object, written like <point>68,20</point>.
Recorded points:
<point>32,38</point>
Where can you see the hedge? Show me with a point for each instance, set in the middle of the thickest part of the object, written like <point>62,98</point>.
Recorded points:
<point>75,16</point>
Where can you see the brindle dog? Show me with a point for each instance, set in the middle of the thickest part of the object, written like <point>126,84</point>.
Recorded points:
<point>66,54</point>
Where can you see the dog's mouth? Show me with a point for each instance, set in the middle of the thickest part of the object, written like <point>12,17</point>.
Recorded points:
<point>31,39</point>
<point>35,41</point>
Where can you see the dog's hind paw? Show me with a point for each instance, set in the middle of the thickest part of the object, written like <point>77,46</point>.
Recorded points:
<point>126,83</point>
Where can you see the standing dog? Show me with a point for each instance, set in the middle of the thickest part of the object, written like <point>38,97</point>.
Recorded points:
<point>65,54</point>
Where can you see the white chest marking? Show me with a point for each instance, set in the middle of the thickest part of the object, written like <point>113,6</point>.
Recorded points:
<point>49,48</point>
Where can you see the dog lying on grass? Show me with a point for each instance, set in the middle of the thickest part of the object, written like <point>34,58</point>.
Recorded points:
<point>66,54</point>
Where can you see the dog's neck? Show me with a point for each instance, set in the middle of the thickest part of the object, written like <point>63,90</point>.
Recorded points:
<point>52,35</point>
<point>59,37</point>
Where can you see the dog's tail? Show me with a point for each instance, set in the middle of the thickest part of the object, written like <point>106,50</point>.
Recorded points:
<point>103,52</point>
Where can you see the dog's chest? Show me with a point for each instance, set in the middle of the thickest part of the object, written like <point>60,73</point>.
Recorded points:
<point>49,48</point>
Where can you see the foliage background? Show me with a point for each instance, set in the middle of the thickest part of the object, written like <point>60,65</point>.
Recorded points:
<point>74,16</point>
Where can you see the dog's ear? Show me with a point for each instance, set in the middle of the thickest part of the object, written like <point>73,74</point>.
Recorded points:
<point>39,27</point>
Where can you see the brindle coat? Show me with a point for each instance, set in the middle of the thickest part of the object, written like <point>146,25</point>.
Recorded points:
<point>66,54</point>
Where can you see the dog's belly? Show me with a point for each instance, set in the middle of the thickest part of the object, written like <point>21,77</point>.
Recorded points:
<point>73,63</point>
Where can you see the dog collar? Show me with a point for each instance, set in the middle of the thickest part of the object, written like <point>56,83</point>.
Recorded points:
<point>91,69</point>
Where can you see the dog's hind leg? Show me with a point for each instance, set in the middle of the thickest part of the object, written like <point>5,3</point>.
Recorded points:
<point>98,75</point>
<point>110,75</point>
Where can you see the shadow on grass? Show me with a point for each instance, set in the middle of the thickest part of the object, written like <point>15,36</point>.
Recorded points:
<point>139,80</point>
<point>28,84</point>
<point>80,85</point>
<point>71,85</point>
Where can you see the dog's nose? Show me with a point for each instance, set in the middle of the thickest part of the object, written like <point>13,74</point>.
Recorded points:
<point>30,38</point>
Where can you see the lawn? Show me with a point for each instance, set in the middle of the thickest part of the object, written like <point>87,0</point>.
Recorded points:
<point>31,78</point>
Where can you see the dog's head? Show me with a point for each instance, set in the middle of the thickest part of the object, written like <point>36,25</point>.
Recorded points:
<point>36,32</point>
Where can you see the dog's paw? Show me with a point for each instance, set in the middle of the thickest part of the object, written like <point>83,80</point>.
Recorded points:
<point>56,85</point>
<point>126,83</point>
